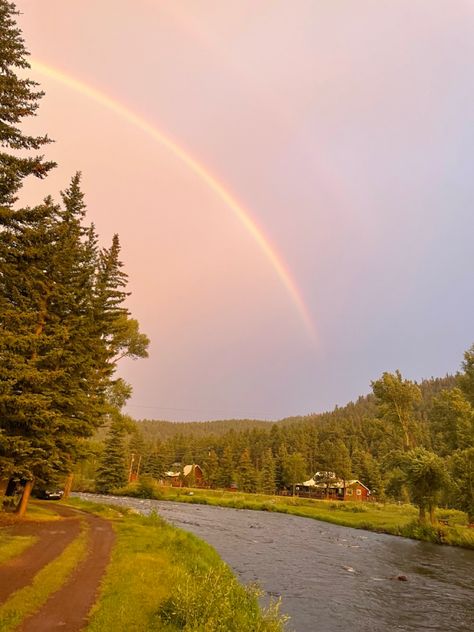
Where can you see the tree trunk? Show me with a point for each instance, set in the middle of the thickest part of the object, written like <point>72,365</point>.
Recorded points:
<point>20,510</point>
<point>3,486</point>
<point>68,485</point>
<point>432,514</point>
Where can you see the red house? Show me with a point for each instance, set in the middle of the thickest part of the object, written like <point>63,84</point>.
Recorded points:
<point>190,476</point>
<point>333,489</point>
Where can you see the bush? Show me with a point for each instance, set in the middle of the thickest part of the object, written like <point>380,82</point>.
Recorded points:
<point>216,602</point>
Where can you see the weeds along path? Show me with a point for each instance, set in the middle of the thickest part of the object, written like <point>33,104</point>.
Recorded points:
<point>69,607</point>
<point>53,538</point>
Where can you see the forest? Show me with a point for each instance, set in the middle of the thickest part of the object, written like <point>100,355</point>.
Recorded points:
<point>405,441</point>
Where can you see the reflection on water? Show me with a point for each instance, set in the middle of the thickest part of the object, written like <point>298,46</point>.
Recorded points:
<point>335,579</point>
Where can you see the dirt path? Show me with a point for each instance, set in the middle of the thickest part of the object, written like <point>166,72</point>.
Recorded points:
<point>68,608</point>
<point>53,536</point>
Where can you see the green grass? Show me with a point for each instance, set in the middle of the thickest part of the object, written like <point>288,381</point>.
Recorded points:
<point>27,600</point>
<point>164,579</point>
<point>389,518</point>
<point>13,545</point>
<point>40,513</point>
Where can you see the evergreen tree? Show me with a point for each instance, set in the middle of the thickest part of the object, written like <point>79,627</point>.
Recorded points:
<point>211,469</point>
<point>226,468</point>
<point>462,475</point>
<point>112,472</point>
<point>137,453</point>
<point>268,472</point>
<point>19,99</point>
<point>246,474</point>
<point>452,422</point>
<point>282,455</point>
<point>59,350</point>
<point>466,379</point>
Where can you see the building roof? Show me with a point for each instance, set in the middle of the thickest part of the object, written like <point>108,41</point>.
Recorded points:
<point>188,469</point>
<point>333,484</point>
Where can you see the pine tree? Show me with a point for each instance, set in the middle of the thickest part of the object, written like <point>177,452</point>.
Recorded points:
<point>61,337</point>
<point>466,378</point>
<point>137,453</point>
<point>247,474</point>
<point>268,472</point>
<point>462,475</point>
<point>112,472</point>
<point>452,422</point>
<point>226,468</point>
<point>211,469</point>
<point>19,99</point>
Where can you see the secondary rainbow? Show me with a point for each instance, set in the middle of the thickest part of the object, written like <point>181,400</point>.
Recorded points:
<point>199,169</point>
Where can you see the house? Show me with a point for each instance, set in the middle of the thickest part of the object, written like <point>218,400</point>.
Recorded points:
<point>326,485</point>
<point>190,476</point>
<point>193,473</point>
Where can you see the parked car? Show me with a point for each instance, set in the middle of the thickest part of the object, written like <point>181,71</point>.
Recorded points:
<point>50,494</point>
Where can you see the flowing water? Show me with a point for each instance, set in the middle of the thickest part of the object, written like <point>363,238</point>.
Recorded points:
<point>333,578</point>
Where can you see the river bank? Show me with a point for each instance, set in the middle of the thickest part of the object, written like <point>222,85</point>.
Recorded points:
<point>391,518</point>
<point>332,578</point>
<point>163,578</point>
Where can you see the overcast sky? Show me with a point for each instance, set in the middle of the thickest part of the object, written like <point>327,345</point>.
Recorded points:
<point>342,128</point>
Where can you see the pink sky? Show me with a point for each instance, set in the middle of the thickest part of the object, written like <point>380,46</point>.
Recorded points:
<point>346,131</point>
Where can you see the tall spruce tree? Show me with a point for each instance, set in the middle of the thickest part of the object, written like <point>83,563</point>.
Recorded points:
<point>267,476</point>
<point>19,99</point>
<point>112,472</point>
<point>246,475</point>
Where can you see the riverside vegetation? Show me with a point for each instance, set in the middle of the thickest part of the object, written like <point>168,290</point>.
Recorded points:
<point>162,578</point>
<point>159,578</point>
<point>396,519</point>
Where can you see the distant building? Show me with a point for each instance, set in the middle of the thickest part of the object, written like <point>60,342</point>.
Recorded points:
<point>329,487</point>
<point>189,476</point>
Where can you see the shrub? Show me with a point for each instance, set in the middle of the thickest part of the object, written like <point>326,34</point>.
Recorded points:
<point>215,601</point>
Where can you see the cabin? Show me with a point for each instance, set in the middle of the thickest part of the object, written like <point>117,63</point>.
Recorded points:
<point>193,473</point>
<point>189,476</point>
<point>328,486</point>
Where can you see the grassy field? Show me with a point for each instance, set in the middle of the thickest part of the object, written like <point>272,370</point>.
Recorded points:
<point>164,579</point>
<point>395,519</point>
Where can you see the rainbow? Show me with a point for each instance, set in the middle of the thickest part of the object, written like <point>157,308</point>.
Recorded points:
<point>199,169</point>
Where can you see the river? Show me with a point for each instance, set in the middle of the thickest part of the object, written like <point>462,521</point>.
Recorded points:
<point>332,578</point>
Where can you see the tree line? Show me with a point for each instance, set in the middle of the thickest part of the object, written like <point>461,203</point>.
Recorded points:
<point>64,324</point>
<point>405,441</point>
